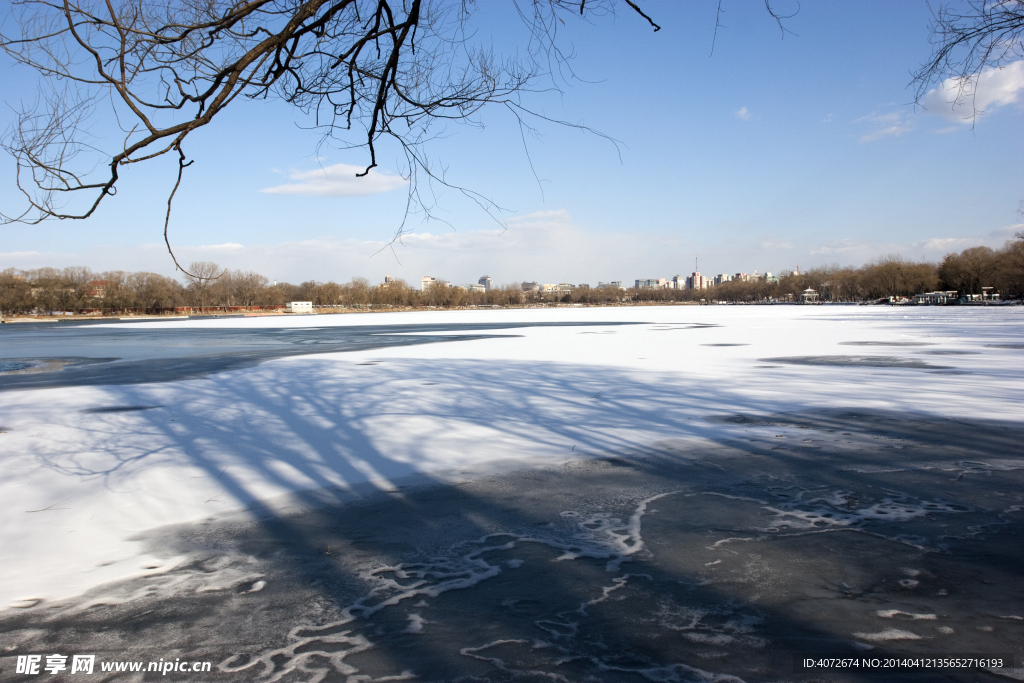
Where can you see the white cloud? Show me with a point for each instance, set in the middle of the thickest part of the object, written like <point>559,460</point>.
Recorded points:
<point>946,245</point>
<point>940,246</point>
<point>339,180</point>
<point>776,245</point>
<point>226,248</point>
<point>743,113</point>
<point>843,247</point>
<point>961,100</point>
<point>891,125</point>
<point>931,249</point>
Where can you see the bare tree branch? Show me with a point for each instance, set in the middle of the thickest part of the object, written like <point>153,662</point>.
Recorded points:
<point>167,219</point>
<point>641,13</point>
<point>365,70</point>
<point>778,16</point>
<point>967,39</point>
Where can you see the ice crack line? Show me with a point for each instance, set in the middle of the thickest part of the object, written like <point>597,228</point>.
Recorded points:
<point>602,537</point>
<point>844,509</point>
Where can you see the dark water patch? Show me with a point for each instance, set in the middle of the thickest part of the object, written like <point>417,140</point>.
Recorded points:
<point>857,361</point>
<point>117,409</point>
<point>533,608</point>
<point>617,462</point>
<point>886,343</point>
<point>1004,346</point>
<point>17,369</point>
<point>737,419</point>
<point>725,344</point>
<point>154,354</point>
<point>950,352</point>
<point>683,326</point>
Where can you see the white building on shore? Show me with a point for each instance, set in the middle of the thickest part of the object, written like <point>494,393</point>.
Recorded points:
<point>426,282</point>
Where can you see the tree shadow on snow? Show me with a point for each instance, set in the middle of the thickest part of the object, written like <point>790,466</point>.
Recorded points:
<point>699,534</point>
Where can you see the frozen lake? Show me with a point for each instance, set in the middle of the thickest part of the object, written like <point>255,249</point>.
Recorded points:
<point>140,353</point>
<point>634,494</point>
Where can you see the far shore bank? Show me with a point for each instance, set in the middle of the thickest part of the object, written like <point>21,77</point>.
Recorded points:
<point>343,310</point>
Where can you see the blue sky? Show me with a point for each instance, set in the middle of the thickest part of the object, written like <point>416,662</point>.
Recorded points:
<point>769,154</point>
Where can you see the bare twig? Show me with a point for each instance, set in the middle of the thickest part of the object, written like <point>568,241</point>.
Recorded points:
<point>718,24</point>
<point>51,508</point>
<point>641,13</point>
<point>772,12</point>
<point>779,17</point>
<point>167,219</point>
<point>967,39</point>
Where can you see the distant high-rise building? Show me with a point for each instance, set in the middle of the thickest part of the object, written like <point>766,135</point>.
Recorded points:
<point>698,281</point>
<point>614,284</point>
<point>487,282</point>
<point>427,282</point>
<point>652,283</point>
<point>719,279</point>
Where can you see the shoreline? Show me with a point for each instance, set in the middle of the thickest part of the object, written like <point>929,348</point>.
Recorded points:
<point>327,310</point>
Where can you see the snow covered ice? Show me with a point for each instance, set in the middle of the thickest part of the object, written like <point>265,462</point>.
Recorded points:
<point>639,494</point>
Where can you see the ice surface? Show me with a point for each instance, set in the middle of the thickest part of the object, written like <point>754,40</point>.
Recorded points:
<point>100,464</point>
<point>129,495</point>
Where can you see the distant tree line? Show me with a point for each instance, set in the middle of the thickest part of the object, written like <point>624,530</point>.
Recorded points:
<point>81,289</point>
<point>890,276</point>
<point>210,287</point>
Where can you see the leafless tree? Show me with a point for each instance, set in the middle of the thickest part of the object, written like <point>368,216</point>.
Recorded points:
<point>15,293</point>
<point>201,275</point>
<point>248,288</point>
<point>966,38</point>
<point>970,270</point>
<point>154,292</point>
<point>364,70</point>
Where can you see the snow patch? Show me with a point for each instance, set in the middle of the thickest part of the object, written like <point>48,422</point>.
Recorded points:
<point>890,613</point>
<point>416,623</point>
<point>887,635</point>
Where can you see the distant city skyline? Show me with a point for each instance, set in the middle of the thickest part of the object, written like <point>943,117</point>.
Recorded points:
<point>467,256</point>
